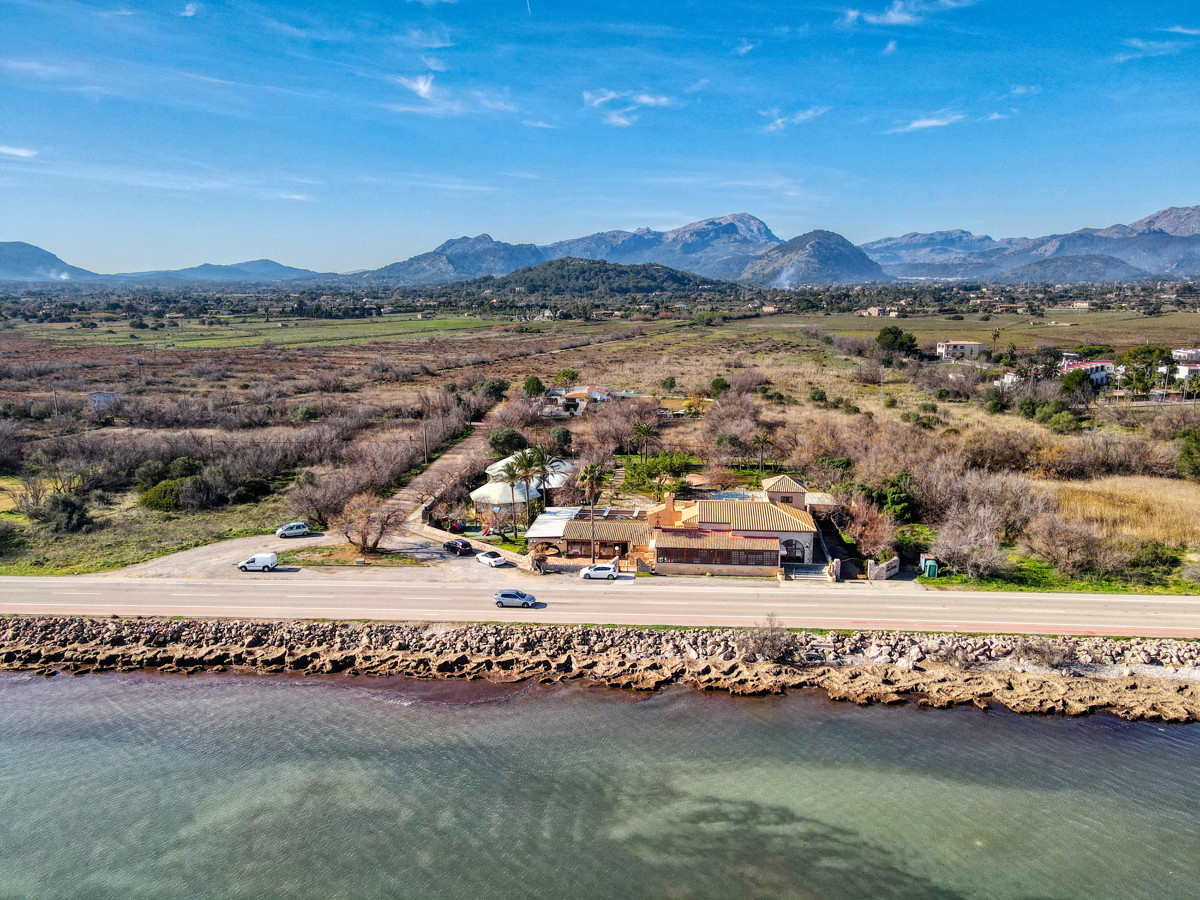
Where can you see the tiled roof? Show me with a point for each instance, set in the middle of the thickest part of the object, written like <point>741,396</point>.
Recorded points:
<point>679,539</point>
<point>753,515</point>
<point>631,531</point>
<point>783,484</point>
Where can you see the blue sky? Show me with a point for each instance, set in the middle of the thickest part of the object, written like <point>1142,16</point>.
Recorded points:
<point>347,135</point>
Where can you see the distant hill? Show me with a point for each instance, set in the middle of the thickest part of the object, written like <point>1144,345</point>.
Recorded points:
<point>934,248</point>
<point>819,257</point>
<point>256,270</point>
<point>1180,221</point>
<point>1074,269</point>
<point>24,262</point>
<point>460,259</point>
<point>569,276</point>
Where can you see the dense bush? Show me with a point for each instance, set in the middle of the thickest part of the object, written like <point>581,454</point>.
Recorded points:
<point>163,496</point>
<point>506,441</point>
<point>66,514</point>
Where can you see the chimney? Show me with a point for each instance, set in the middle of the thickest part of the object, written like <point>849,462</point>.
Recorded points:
<point>669,504</point>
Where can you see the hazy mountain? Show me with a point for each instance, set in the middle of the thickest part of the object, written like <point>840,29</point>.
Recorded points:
<point>1177,220</point>
<point>1165,243</point>
<point>819,257</point>
<point>460,259</point>
<point>719,248</point>
<point>24,262</point>
<point>1074,269</point>
<point>256,270</point>
<point>571,276</point>
<point>932,248</point>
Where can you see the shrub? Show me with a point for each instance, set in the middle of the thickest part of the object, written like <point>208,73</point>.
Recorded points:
<point>889,402</point>
<point>718,387</point>
<point>1043,652</point>
<point>150,473</point>
<point>560,440</point>
<point>163,496</point>
<point>66,514</point>
<point>816,395</point>
<point>1063,423</point>
<point>494,389</point>
<point>533,386</point>
<point>184,467</point>
<point>668,383</point>
<point>506,441</point>
<point>942,394</point>
<point>11,535</point>
<point>305,412</point>
<point>967,544</point>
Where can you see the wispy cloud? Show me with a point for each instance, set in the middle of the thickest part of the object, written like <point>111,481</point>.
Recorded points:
<point>442,183</point>
<point>891,48</point>
<point>744,46</point>
<point>625,113</point>
<point>189,10</point>
<point>18,152</point>
<point>1139,49</point>
<point>421,85</point>
<point>937,121</point>
<point>697,85</point>
<point>995,117</point>
<point>780,121</point>
<point>903,12</point>
<point>431,2</point>
<point>426,38</point>
<point>117,12</point>
<point>1024,90</point>
<point>537,123</point>
<point>434,64</point>
<point>33,69</point>
<point>1181,29</point>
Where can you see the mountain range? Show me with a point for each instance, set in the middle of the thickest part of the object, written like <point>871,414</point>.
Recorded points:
<point>736,247</point>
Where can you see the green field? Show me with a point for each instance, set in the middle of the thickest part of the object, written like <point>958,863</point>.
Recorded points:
<point>1119,329</point>
<point>253,333</point>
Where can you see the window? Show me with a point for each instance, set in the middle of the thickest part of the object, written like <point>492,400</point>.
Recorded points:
<point>785,499</point>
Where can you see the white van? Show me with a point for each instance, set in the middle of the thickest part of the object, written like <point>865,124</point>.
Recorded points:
<point>261,562</point>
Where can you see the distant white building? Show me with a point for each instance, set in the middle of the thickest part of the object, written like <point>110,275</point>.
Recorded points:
<point>959,349</point>
<point>1187,355</point>
<point>1101,370</point>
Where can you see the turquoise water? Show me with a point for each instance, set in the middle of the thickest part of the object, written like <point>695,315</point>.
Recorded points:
<point>222,786</point>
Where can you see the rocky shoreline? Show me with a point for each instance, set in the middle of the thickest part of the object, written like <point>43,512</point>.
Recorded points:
<point>1155,680</point>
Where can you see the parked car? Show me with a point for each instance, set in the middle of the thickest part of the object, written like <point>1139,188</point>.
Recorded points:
<point>262,562</point>
<point>491,558</point>
<point>293,529</point>
<point>459,547</point>
<point>513,597</point>
<point>599,570</point>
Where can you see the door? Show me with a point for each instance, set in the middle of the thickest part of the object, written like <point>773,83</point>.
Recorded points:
<point>793,551</point>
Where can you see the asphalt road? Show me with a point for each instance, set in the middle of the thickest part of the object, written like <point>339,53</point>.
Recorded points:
<point>412,594</point>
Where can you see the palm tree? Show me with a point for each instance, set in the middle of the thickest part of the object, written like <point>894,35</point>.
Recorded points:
<point>511,475</point>
<point>645,433</point>
<point>761,442</point>
<point>525,463</point>
<point>591,479</point>
<point>544,465</point>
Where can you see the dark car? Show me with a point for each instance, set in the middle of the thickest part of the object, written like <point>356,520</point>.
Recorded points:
<point>458,547</point>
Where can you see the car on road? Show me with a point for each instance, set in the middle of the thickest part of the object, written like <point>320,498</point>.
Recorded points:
<point>259,562</point>
<point>513,597</point>
<point>491,558</point>
<point>599,570</point>
<point>293,529</point>
<point>459,547</point>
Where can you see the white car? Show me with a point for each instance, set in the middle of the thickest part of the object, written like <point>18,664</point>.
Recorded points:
<point>599,570</point>
<point>293,529</point>
<point>513,597</point>
<point>491,558</point>
<point>259,562</point>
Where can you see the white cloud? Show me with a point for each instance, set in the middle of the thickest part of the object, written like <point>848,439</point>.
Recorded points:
<point>19,152</point>
<point>938,121</point>
<point>890,48</point>
<point>537,123</point>
<point>744,47</point>
<point>35,69</point>
<point>1180,29</point>
<point>421,85</point>
<point>1024,90</point>
<point>780,121</point>
<point>903,12</point>
<point>1139,49</point>
<point>189,10</point>
<point>698,85</point>
<point>434,64</point>
<point>996,117</point>
<point>118,12</point>
<point>631,102</point>
<point>431,39</point>
<point>431,2</point>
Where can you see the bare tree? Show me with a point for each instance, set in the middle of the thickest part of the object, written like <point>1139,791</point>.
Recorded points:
<point>366,519</point>
<point>968,543</point>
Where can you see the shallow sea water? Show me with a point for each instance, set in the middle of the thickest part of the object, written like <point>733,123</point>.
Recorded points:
<point>235,786</point>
